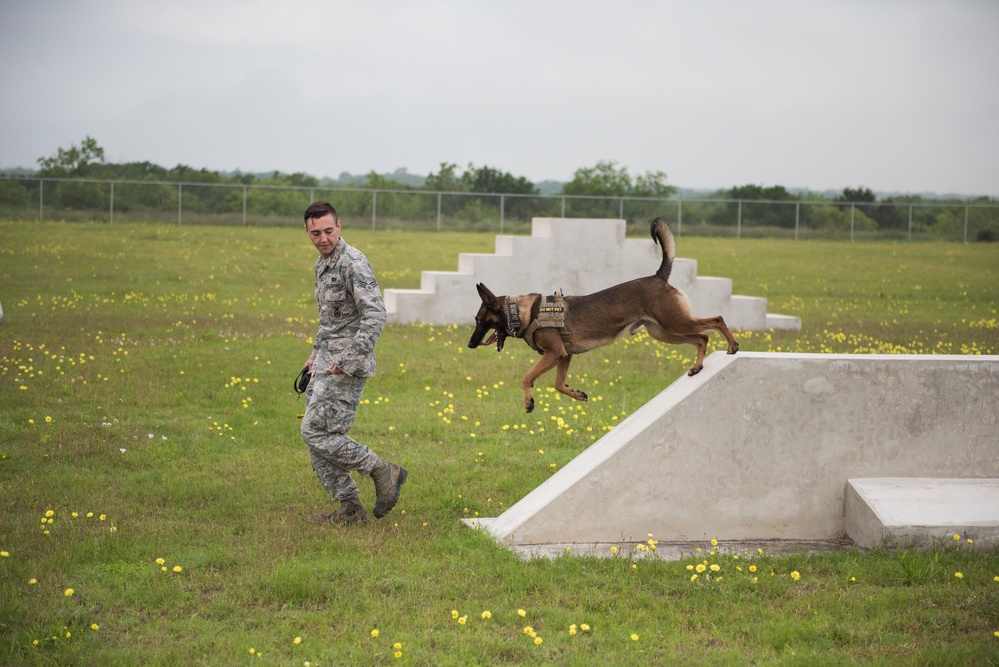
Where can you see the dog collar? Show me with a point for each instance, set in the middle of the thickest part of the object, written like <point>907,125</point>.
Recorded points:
<point>512,317</point>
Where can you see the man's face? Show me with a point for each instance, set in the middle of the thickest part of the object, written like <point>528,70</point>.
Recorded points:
<point>324,232</point>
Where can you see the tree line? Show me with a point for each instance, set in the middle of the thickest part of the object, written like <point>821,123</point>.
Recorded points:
<point>476,193</point>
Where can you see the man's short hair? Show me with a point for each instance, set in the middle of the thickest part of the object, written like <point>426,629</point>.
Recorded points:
<point>318,209</point>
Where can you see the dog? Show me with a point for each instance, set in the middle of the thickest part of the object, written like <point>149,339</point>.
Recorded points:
<point>572,325</point>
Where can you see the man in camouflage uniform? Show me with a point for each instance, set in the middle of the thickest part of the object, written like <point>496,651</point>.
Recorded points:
<point>351,318</point>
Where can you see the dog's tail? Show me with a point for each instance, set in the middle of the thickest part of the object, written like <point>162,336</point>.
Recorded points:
<point>660,232</point>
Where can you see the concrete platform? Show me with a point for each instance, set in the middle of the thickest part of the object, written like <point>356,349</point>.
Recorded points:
<point>577,256</point>
<point>759,446</point>
<point>922,512</point>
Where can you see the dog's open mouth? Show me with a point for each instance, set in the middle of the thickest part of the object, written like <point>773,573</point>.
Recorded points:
<point>482,340</point>
<point>495,338</point>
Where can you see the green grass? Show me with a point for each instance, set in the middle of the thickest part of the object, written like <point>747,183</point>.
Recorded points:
<point>146,376</point>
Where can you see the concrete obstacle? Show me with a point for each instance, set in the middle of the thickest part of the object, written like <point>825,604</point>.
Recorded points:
<point>578,256</point>
<point>922,512</point>
<point>760,446</point>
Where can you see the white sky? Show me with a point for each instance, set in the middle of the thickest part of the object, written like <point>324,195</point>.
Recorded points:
<point>893,95</point>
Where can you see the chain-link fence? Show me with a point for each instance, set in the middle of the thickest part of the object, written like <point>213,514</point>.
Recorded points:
<point>268,205</point>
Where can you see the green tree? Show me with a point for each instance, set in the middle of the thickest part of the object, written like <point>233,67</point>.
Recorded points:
<point>485,180</point>
<point>604,179</point>
<point>488,179</point>
<point>653,184</point>
<point>446,180</point>
<point>607,183</point>
<point>857,195</point>
<point>769,212</point>
<point>73,161</point>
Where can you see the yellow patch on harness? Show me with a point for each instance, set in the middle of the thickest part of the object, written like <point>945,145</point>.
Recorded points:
<point>551,312</point>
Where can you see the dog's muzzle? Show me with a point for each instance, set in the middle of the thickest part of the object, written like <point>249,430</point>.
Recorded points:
<point>497,337</point>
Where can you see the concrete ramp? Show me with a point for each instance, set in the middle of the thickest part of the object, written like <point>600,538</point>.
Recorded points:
<point>577,256</point>
<point>922,511</point>
<point>759,446</point>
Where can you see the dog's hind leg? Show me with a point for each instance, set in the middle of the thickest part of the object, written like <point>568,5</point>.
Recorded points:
<point>700,341</point>
<point>694,335</point>
<point>561,374</point>
<point>716,323</point>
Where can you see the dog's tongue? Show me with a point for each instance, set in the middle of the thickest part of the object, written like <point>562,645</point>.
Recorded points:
<point>492,339</point>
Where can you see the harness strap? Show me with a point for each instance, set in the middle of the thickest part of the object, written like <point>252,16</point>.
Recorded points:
<point>551,315</point>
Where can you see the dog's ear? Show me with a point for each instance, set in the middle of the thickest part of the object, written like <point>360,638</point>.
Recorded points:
<point>484,294</point>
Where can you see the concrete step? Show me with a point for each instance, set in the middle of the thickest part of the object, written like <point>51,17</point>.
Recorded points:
<point>783,322</point>
<point>922,512</point>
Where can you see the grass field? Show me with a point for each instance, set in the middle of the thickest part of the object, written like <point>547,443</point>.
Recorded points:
<point>147,415</point>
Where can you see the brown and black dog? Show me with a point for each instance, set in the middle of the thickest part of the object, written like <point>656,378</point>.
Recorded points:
<point>598,319</point>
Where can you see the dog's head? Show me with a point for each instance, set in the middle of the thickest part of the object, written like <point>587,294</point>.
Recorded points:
<point>491,317</point>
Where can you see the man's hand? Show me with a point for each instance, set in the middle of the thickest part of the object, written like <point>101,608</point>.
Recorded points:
<point>335,370</point>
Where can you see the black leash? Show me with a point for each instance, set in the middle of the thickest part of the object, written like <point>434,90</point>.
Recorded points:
<point>302,381</point>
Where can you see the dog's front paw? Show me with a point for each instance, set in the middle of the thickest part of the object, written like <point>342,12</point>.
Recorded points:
<point>694,370</point>
<point>529,405</point>
<point>732,349</point>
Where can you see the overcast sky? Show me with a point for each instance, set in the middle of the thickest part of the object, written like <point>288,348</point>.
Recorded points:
<point>896,96</point>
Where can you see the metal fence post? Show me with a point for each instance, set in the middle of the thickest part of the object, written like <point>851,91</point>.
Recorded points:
<point>374,207</point>
<point>111,218</point>
<point>180,200</point>
<point>244,206</point>
<point>738,222</point>
<point>620,208</point>
<point>910,222</point>
<point>965,223</point>
<point>501,213</point>
<point>797,218</point>
<point>853,208</point>
<point>41,199</point>
<point>679,217</point>
<point>438,211</point>
<point>563,206</point>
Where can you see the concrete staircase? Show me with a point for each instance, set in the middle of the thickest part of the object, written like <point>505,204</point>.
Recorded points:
<point>578,256</point>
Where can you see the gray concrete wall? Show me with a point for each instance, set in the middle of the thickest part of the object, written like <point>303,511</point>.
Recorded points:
<point>760,445</point>
<point>578,256</point>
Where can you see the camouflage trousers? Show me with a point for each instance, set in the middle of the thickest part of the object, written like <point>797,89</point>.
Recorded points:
<point>331,403</point>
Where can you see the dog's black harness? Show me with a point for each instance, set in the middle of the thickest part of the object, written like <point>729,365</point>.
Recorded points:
<point>551,314</point>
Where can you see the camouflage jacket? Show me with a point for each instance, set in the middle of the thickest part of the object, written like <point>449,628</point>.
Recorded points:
<point>351,313</point>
